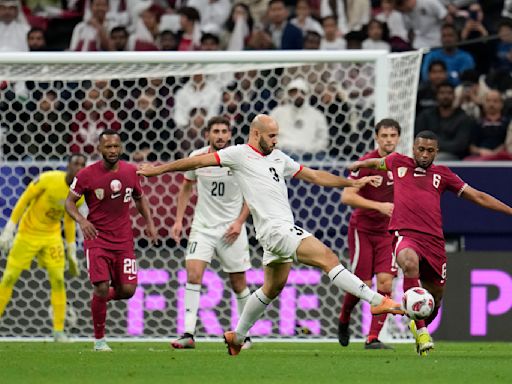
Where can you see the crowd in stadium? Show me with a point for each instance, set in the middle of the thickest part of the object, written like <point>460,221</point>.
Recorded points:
<point>465,90</point>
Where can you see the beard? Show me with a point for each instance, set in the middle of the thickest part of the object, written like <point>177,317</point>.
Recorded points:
<point>265,149</point>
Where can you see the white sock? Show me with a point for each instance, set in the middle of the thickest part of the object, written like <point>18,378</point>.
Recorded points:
<point>192,296</point>
<point>253,310</point>
<point>241,300</point>
<point>344,279</point>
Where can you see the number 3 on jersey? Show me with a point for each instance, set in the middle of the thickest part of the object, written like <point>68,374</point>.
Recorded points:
<point>275,176</point>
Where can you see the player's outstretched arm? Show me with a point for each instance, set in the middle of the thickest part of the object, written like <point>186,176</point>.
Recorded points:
<point>485,200</point>
<point>70,236</point>
<point>194,162</point>
<point>379,163</point>
<point>327,179</point>
<point>86,226</point>
<point>183,199</point>
<point>350,197</point>
<point>142,205</point>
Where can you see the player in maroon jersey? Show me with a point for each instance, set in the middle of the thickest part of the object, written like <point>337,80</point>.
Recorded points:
<point>109,186</point>
<point>369,241</point>
<point>416,222</point>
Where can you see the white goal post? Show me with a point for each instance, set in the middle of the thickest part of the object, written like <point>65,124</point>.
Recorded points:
<point>54,103</point>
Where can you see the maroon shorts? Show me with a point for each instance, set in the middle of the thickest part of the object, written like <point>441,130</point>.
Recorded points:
<point>370,253</point>
<point>431,253</point>
<point>117,266</point>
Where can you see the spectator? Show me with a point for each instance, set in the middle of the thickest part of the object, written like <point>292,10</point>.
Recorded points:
<point>91,34</point>
<point>424,19</point>
<point>210,42</point>
<point>168,41</point>
<point>303,129</point>
<point>198,92</point>
<point>354,40</point>
<point>312,40</point>
<point>119,39</point>
<point>335,9</point>
<point>503,54</point>
<point>13,27</point>
<point>452,126</point>
<point>258,9</point>
<point>474,29</point>
<point>284,34</point>
<point>468,94</point>
<point>146,28</point>
<point>36,40</point>
<point>303,19</point>
<point>399,40</point>
<point>457,60</point>
<point>378,35</point>
<point>190,33</point>
<point>212,12</point>
<point>427,90</point>
<point>119,12</point>
<point>260,40</point>
<point>331,39</point>
<point>489,139</point>
<point>352,15</point>
<point>238,28</point>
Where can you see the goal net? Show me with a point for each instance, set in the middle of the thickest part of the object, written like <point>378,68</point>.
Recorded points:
<point>55,104</point>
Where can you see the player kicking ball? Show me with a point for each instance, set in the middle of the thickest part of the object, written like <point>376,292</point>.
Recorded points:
<point>416,222</point>
<point>39,211</point>
<point>218,228</point>
<point>109,186</point>
<point>261,170</point>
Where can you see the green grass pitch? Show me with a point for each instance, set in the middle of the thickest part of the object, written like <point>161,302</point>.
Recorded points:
<point>311,363</point>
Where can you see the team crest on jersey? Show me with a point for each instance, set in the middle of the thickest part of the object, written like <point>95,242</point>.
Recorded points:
<point>115,185</point>
<point>100,193</point>
<point>402,171</point>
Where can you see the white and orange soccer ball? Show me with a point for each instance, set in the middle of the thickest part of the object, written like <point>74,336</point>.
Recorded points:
<point>418,303</point>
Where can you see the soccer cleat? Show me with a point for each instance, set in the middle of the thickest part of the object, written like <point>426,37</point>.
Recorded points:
<point>100,345</point>
<point>60,337</point>
<point>231,344</point>
<point>247,343</point>
<point>376,344</point>
<point>423,340</point>
<point>186,341</point>
<point>388,305</point>
<point>343,334</point>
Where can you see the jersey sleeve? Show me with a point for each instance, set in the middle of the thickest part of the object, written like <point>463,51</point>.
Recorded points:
<point>191,175</point>
<point>79,184</point>
<point>391,160</point>
<point>229,157</point>
<point>34,189</point>
<point>453,182</point>
<point>137,188</point>
<point>291,167</point>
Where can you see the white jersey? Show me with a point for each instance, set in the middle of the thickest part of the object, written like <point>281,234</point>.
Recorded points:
<point>219,200</point>
<point>262,181</point>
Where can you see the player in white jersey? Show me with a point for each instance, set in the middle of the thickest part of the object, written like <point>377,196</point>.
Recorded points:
<point>260,170</point>
<point>218,227</point>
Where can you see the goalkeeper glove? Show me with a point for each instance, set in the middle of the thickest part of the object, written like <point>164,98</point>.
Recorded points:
<point>7,236</point>
<point>73,268</point>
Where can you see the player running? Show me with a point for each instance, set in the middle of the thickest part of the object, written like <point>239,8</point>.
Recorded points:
<point>109,185</point>
<point>218,228</point>
<point>418,242</point>
<point>260,171</point>
<point>369,241</point>
<point>39,211</point>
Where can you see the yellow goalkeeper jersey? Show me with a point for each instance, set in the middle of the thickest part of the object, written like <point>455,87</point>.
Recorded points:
<point>41,207</point>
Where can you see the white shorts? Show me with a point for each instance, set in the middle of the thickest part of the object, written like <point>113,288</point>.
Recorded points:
<point>280,243</point>
<point>204,243</point>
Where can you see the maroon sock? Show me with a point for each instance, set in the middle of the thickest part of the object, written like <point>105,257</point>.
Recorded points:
<point>111,294</point>
<point>410,282</point>
<point>349,302</point>
<point>99,315</point>
<point>377,322</point>
<point>432,316</point>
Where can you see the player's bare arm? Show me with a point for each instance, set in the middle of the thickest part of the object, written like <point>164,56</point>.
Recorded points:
<point>194,162</point>
<point>183,199</point>
<point>378,163</point>
<point>235,228</point>
<point>351,197</point>
<point>485,200</point>
<point>327,179</point>
<point>88,229</point>
<point>142,205</point>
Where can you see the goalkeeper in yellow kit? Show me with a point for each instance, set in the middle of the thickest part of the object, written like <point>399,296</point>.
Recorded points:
<point>41,210</point>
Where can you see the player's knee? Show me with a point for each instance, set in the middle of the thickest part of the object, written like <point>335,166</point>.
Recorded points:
<point>409,264</point>
<point>127,291</point>
<point>385,285</point>
<point>329,260</point>
<point>8,279</point>
<point>273,290</point>
<point>193,277</point>
<point>101,290</point>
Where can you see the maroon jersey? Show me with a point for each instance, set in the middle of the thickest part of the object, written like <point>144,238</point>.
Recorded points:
<point>370,220</point>
<point>108,195</point>
<point>418,194</point>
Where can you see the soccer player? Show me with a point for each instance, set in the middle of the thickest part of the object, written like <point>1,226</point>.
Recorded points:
<point>260,171</point>
<point>218,227</point>
<point>416,221</point>
<point>369,241</point>
<point>109,185</point>
<point>39,211</point>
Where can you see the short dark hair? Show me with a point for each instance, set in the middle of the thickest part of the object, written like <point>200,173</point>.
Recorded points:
<point>190,13</point>
<point>217,120</point>
<point>76,154</point>
<point>388,123</point>
<point>119,29</point>
<point>36,29</point>
<point>440,63</point>
<point>445,84</point>
<point>271,2</point>
<point>429,135</point>
<point>209,36</point>
<point>109,132</point>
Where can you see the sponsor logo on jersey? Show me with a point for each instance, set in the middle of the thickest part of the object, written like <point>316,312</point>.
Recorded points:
<point>390,177</point>
<point>418,172</point>
<point>100,193</point>
<point>402,171</point>
<point>115,185</point>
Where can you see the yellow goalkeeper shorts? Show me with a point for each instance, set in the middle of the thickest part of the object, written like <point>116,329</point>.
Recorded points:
<point>49,251</point>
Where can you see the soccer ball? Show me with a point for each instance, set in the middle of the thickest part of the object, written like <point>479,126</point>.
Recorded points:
<point>418,303</point>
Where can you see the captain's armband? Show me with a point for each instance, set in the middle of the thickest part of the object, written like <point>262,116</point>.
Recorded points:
<point>382,165</point>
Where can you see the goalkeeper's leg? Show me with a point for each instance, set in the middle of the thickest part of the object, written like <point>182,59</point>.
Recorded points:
<point>9,279</point>
<point>57,297</point>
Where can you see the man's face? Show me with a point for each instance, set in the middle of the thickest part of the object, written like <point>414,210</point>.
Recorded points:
<point>330,28</point>
<point>297,97</point>
<point>168,42</point>
<point>119,40</point>
<point>387,139</point>
<point>445,96</point>
<point>312,41</point>
<point>99,9</point>
<point>36,41</point>
<point>437,75</point>
<point>448,37</point>
<point>209,45</point>
<point>424,152</point>
<point>219,136</point>
<point>75,164</point>
<point>110,148</point>
<point>493,103</point>
<point>267,139</point>
<point>277,13</point>
<point>8,13</point>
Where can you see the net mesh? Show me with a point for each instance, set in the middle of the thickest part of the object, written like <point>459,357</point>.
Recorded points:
<point>160,118</point>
